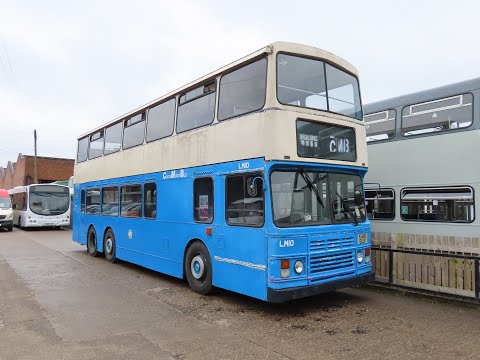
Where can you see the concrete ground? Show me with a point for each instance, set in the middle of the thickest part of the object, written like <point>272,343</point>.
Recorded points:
<point>56,302</point>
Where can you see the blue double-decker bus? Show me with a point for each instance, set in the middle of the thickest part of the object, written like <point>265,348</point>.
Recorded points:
<point>248,179</point>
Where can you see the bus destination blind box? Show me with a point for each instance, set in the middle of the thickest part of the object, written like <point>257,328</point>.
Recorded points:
<point>325,141</point>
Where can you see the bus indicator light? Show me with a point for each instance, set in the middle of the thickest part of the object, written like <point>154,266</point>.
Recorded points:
<point>285,268</point>
<point>208,231</point>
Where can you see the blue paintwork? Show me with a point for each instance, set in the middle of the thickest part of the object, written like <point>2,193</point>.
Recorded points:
<point>244,259</point>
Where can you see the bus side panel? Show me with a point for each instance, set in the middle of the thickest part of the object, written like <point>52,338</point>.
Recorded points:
<point>239,253</point>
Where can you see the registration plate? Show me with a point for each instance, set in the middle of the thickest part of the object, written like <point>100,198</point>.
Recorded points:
<point>362,239</point>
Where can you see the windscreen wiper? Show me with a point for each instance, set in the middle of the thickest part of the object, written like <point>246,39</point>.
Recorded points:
<point>348,209</point>
<point>311,186</point>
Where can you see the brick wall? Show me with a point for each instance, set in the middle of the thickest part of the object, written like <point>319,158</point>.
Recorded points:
<point>48,170</point>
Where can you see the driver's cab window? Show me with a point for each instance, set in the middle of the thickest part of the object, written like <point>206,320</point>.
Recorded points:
<point>245,200</point>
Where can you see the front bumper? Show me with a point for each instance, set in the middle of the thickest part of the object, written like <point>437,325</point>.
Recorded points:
<point>6,223</point>
<point>277,296</point>
<point>47,222</point>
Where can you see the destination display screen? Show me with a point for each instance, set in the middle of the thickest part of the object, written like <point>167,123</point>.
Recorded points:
<point>325,141</point>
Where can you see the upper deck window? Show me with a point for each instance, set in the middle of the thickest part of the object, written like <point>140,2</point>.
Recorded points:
<point>312,83</point>
<point>95,148</point>
<point>196,108</point>
<point>243,90</point>
<point>113,138</point>
<point>134,131</point>
<point>160,120</point>
<point>82,149</point>
<point>380,125</point>
<point>449,113</point>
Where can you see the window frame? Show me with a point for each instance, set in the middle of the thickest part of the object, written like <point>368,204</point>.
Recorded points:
<point>238,67</point>
<point>105,137</point>
<point>427,189</point>
<point>325,61</point>
<point>143,200</point>
<point>394,125</point>
<point>245,175</point>
<point>127,119</point>
<point>118,202</point>
<point>213,197</point>
<point>78,147</point>
<point>99,202</point>
<point>101,134</point>
<point>185,91</point>
<point>370,199</point>
<point>447,131</point>
<point>83,202</point>
<point>174,98</point>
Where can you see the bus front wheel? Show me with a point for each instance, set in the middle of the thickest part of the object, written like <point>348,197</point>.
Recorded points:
<point>198,268</point>
<point>92,242</point>
<point>109,247</point>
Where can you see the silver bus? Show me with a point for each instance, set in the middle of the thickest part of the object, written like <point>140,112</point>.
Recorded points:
<point>423,182</point>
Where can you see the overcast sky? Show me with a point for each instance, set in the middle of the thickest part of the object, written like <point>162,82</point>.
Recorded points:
<point>67,67</point>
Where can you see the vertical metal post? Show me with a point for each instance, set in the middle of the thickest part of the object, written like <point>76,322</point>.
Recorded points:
<point>476,263</point>
<point>35,177</point>
<point>390,267</point>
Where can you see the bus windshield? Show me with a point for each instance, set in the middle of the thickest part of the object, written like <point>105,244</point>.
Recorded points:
<point>312,83</point>
<point>303,198</point>
<point>49,199</point>
<point>4,202</point>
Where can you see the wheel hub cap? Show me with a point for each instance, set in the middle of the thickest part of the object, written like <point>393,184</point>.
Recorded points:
<point>108,245</point>
<point>198,267</point>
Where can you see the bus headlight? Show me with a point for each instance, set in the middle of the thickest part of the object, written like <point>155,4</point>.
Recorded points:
<point>9,216</point>
<point>298,266</point>
<point>359,257</point>
<point>368,257</point>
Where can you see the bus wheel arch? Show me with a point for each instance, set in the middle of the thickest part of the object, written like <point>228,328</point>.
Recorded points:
<point>92,241</point>
<point>109,245</point>
<point>198,267</point>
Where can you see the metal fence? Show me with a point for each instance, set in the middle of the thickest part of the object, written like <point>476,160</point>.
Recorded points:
<point>438,273</point>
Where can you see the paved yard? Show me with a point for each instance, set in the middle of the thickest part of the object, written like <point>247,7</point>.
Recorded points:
<point>56,302</point>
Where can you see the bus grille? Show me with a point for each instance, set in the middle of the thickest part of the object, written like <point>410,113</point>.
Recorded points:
<point>328,265</point>
<point>326,243</point>
<point>2,217</point>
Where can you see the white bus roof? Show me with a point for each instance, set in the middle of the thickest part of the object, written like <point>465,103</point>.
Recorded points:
<point>279,46</point>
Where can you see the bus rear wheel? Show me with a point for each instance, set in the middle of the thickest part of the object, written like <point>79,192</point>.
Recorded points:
<point>198,268</point>
<point>109,246</point>
<point>92,242</point>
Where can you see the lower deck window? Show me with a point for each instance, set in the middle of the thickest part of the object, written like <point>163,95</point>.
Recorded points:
<point>245,200</point>
<point>110,201</point>
<point>131,201</point>
<point>446,204</point>
<point>93,201</point>
<point>380,204</point>
<point>150,201</point>
<point>203,200</point>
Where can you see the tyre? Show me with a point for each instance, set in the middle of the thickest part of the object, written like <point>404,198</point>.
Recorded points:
<point>109,246</point>
<point>198,268</point>
<point>92,242</point>
<point>10,228</point>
